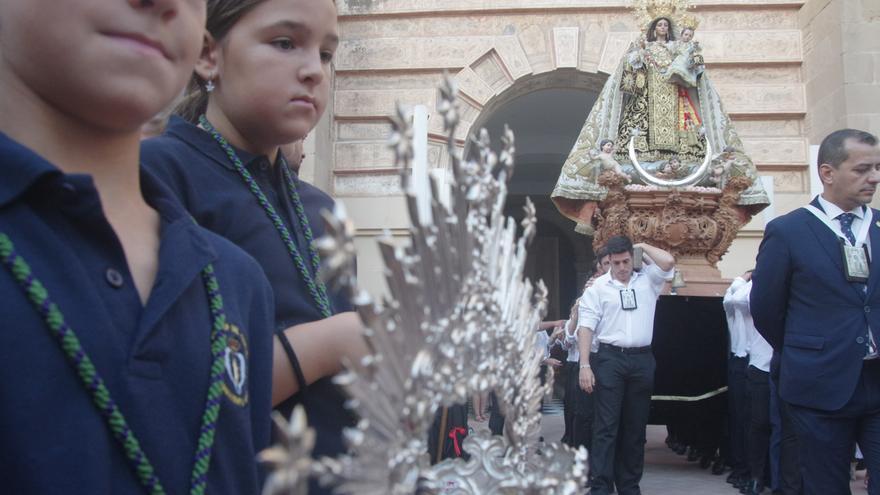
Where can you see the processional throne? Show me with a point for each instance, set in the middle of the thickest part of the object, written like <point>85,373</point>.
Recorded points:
<point>658,159</point>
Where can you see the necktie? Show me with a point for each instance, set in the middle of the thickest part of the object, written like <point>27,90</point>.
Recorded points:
<point>846,221</point>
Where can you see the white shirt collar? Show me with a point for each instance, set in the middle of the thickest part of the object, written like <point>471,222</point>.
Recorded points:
<point>612,280</point>
<point>833,211</point>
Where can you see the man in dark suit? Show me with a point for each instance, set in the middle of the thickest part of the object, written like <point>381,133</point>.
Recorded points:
<point>818,304</point>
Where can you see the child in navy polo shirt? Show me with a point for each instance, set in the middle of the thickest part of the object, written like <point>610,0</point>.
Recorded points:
<point>135,346</point>
<point>263,80</point>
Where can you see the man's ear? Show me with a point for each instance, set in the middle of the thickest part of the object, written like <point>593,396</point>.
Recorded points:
<point>207,66</point>
<point>826,173</point>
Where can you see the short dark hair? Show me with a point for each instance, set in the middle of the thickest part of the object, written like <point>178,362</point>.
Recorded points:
<point>833,148</point>
<point>603,142</point>
<point>601,253</point>
<point>619,244</point>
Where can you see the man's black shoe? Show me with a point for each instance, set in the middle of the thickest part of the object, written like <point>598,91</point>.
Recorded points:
<point>754,487</point>
<point>705,461</point>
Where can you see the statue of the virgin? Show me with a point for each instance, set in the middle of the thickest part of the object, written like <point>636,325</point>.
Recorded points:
<point>660,108</point>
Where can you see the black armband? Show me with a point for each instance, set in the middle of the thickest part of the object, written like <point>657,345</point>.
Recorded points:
<point>291,357</point>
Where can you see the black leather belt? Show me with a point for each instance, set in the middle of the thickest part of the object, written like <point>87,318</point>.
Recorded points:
<point>624,350</point>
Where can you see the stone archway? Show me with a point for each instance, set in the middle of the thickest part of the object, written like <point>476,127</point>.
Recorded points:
<point>545,110</point>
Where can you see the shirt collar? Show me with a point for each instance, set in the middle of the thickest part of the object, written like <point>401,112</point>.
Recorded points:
<point>632,278</point>
<point>205,143</point>
<point>21,169</point>
<point>833,211</point>
<point>175,219</point>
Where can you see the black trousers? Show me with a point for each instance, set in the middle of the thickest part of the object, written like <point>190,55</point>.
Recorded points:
<point>759,422</point>
<point>624,383</point>
<point>496,419</point>
<point>737,414</point>
<point>582,424</point>
<point>570,376</point>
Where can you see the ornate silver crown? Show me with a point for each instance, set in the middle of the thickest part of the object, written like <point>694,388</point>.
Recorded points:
<point>461,320</point>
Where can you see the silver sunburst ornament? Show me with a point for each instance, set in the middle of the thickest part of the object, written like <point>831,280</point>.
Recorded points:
<point>460,320</point>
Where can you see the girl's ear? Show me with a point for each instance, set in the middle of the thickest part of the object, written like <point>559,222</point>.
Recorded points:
<point>207,65</point>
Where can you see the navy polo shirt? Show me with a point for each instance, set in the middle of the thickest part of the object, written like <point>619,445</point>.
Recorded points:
<point>154,358</point>
<point>197,169</point>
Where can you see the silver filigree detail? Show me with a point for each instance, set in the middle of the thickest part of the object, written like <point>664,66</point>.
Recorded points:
<point>461,319</point>
<point>289,461</point>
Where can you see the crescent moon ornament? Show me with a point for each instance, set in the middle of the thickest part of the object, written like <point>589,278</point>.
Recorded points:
<point>690,180</point>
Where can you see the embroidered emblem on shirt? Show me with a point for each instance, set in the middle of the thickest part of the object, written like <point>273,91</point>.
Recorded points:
<point>236,359</point>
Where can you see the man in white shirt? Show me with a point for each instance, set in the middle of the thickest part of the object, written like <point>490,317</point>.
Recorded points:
<point>581,428</point>
<point>737,364</point>
<point>619,309</point>
<point>758,374</point>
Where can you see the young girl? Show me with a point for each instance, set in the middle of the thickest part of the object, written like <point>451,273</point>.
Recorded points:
<point>135,347</point>
<point>263,80</point>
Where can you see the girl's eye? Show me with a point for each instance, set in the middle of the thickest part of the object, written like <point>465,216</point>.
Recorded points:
<point>326,56</point>
<point>283,44</point>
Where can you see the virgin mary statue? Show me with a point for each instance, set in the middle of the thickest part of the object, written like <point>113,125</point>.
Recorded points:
<point>660,104</point>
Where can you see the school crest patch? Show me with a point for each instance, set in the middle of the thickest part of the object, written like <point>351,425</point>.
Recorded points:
<point>235,359</point>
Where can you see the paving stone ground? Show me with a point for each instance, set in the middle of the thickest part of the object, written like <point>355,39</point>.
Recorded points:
<point>669,474</point>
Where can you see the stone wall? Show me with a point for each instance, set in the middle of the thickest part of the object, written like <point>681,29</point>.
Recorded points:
<point>841,65</point>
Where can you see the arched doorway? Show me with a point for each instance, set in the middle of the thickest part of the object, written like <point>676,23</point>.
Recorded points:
<point>546,113</point>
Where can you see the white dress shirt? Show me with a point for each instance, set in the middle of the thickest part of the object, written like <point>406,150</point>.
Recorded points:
<point>542,342</point>
<point>600,309</point>
<point>833,211</point>
<point>739,338</point>
<point>570,342</point>
<point>760,351</point>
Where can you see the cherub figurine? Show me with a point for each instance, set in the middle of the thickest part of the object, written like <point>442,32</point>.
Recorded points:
<point>669,170</point>
<point>721,166</point>
<point>605,156</point>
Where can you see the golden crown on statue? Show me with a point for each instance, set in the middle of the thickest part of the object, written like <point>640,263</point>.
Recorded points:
<point>646,11</point>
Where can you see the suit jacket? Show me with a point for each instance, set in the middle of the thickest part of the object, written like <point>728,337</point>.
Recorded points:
<point>803,305</point>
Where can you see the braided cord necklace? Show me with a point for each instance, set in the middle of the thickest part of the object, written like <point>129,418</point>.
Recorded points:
<point>93,383</point>
<point>316,288</point>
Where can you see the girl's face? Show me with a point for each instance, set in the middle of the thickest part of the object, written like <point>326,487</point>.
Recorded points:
<point>110,65</point>
<point>273,70</point>
<point>608,147</point>
<point>687,35</point>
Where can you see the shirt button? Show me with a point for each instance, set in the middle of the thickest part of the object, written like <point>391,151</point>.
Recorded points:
<point>860,340</point>
<point>114,278</point>
<point>867,309</point>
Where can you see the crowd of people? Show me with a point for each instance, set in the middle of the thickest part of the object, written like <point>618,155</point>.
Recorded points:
<point>802,370</point>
